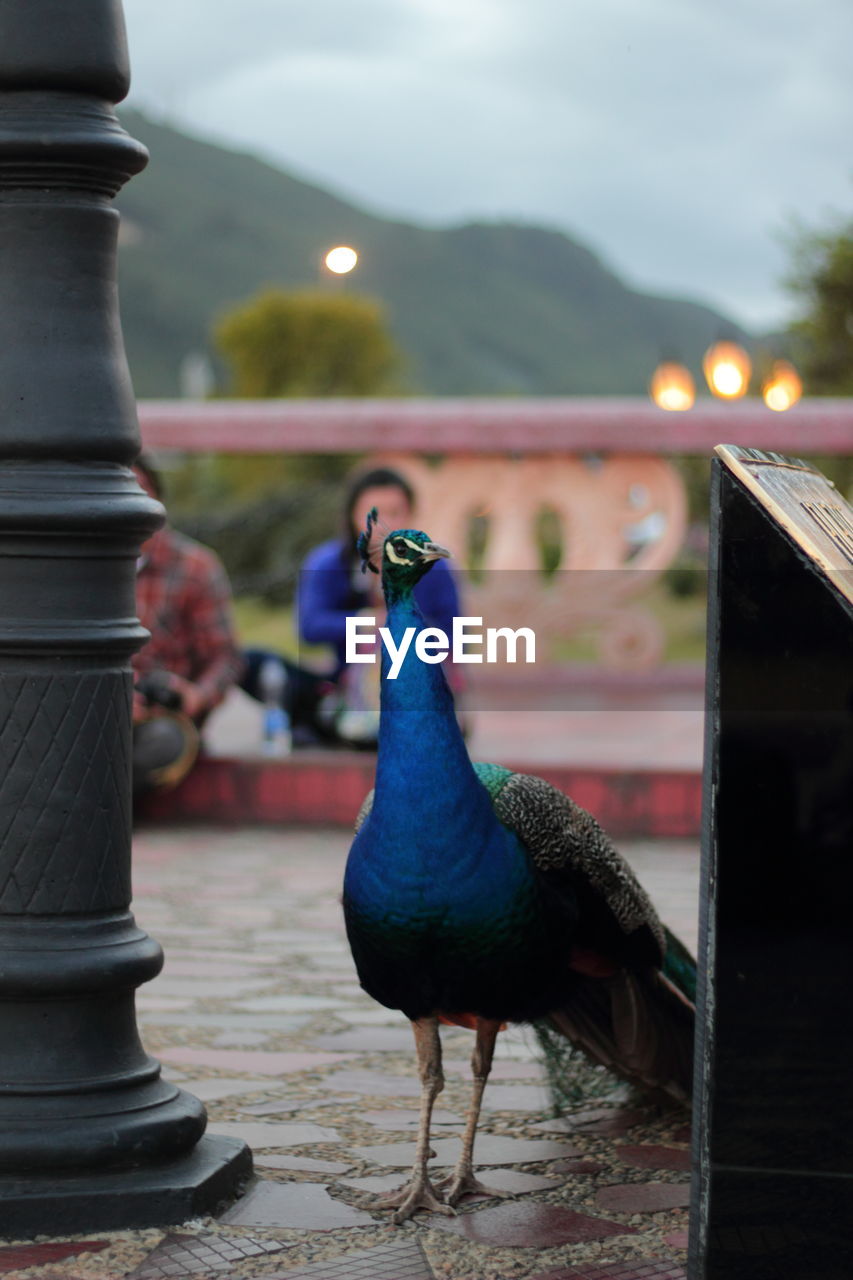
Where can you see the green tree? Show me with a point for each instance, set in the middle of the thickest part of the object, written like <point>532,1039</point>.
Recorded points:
<point>263,513</point>
<point>822,278</point>
<point>307,344</point>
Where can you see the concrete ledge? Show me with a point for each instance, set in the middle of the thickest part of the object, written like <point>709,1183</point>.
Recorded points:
<point>327,788</point>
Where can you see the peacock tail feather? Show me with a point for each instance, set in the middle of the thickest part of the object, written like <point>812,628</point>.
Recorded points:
<point>571,1076</point>
<point>679,965</point>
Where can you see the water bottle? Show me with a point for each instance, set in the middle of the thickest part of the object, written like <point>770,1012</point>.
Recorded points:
<point>272,682</point>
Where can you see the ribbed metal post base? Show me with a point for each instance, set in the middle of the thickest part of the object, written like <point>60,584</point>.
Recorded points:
<point>91,1136</point>
<point>156,1195</point>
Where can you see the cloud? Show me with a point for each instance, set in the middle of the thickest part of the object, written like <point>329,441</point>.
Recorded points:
<point>674,137</point>
<point>181,46</point>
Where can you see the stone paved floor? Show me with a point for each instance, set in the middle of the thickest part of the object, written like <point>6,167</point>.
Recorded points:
<point>258,1013</point>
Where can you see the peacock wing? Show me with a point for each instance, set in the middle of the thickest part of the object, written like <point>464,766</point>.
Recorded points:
<point>563,839</point>
<point>634,1016</point>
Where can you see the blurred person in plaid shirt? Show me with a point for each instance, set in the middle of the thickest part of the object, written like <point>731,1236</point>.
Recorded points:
<point>183,598</point>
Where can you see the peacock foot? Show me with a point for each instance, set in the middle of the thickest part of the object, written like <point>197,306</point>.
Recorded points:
<point>417,1194</point>
<point>464,1183</point>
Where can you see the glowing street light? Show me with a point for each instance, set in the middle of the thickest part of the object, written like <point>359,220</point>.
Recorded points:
<point>341,260</point>
<point>727,369</point>
<point>672,387</point>
<point>782,387</point>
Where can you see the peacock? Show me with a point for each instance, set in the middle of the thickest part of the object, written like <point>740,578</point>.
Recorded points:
<point>476,895</point>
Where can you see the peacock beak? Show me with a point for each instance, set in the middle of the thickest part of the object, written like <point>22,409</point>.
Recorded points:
<point>432,551</point>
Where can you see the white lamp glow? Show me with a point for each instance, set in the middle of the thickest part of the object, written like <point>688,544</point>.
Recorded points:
<point>341,259</point>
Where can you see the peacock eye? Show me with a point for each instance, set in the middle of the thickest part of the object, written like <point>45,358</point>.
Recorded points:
<point>400,547</point>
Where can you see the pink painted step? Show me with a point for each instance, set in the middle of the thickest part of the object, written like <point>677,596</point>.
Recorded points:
<point>327,788</point>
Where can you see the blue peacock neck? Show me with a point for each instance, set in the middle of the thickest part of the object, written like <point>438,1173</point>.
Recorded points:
<point>432,845</point>
<point>423,766</point>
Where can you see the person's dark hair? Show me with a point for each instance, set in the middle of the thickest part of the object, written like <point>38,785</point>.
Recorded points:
<point>146,466</point>
<point>378,478</point>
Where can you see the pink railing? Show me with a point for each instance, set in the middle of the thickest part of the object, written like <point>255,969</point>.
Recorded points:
<point>600,467</point>
<point>454,426</point>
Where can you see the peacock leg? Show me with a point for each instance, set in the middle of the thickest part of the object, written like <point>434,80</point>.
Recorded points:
<point>418,1192</point>
<point>462,1181</point>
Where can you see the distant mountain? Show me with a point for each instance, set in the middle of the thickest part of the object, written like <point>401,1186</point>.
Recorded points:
<point>486,308</point>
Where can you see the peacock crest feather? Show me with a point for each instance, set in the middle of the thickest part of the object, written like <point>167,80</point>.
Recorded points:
<point>362,542</point>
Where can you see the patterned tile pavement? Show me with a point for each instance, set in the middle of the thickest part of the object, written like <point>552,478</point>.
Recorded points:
<point>258,1013</point>
<point>191,1255</point>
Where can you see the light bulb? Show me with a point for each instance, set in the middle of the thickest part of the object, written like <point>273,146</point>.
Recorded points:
<point>782,388</point>
<point>341,259</point>
<point>727,369</point>
<point>671,386</point>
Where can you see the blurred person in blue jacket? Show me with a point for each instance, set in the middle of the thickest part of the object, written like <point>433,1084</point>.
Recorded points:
<point>331,588</point>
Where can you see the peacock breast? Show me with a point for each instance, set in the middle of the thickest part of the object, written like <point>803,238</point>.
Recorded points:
<point>483,948</point>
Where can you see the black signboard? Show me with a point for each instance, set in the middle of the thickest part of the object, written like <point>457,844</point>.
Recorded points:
<point>773,1129</point>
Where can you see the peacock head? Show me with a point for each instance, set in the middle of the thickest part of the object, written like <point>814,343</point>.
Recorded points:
<point>405,556</point>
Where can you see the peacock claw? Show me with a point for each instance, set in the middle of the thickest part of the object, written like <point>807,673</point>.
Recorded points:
<point>465,1184</point>
<point>417,1194</point>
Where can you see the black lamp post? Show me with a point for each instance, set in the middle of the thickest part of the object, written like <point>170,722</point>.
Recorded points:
<point>90,1135</point>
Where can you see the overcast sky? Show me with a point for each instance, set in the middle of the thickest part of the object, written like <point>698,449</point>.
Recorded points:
<point>676,138</point>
